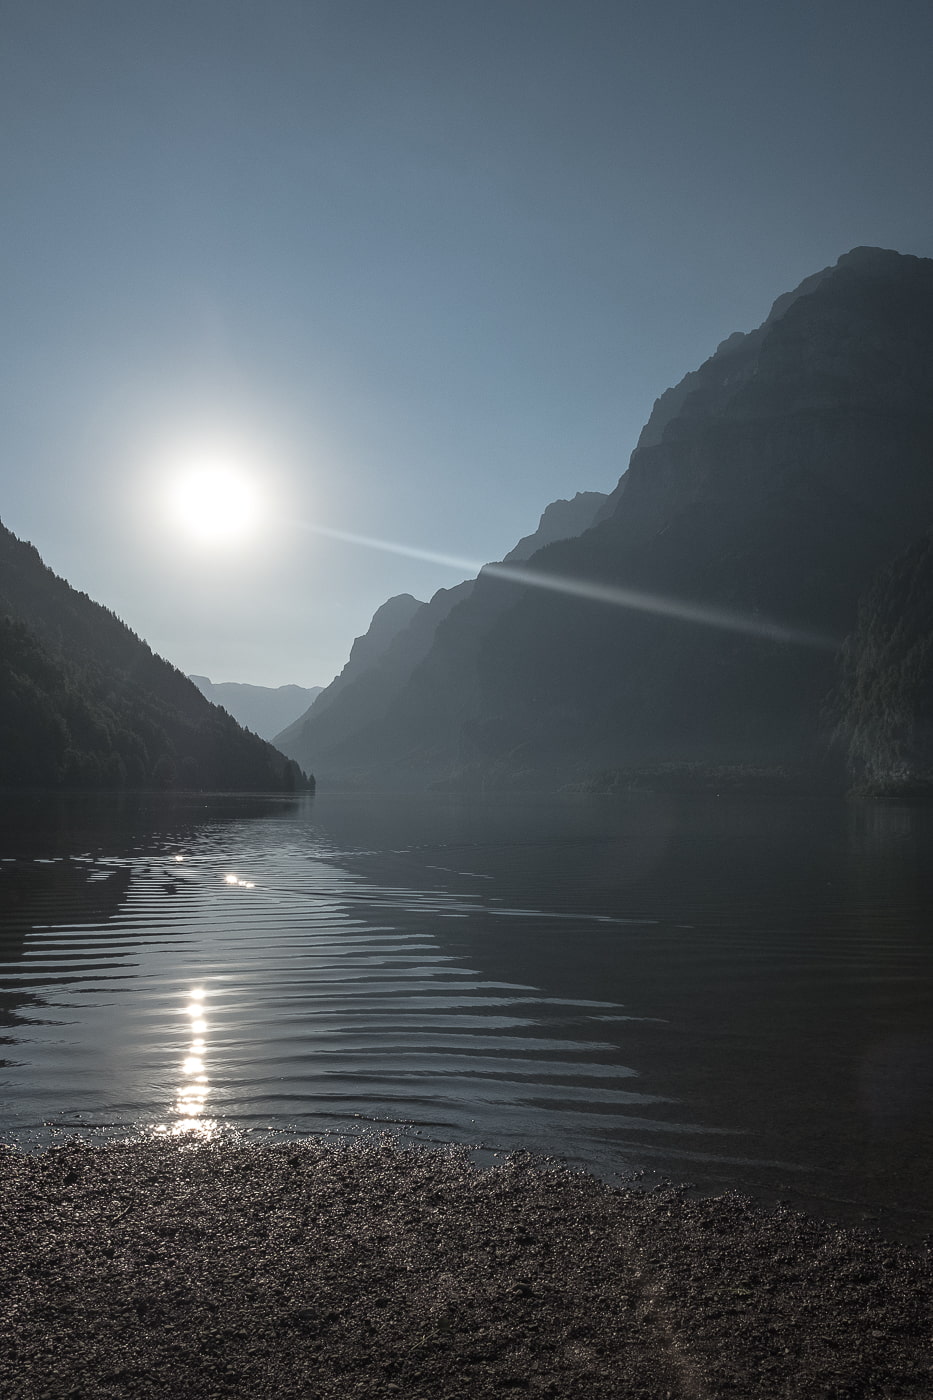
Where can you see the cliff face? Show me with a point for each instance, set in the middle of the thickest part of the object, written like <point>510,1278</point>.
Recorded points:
<point>772,484</point>
<point>373,678</point>
<point>392,618</point>
<point>362,698</point>
<point>84,702</point>
<point>387,622</point>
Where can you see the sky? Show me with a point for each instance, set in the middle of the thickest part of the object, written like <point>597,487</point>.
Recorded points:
<point>275,272</point>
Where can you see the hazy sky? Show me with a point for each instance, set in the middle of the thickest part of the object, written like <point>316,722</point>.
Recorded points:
<point>412,268</point>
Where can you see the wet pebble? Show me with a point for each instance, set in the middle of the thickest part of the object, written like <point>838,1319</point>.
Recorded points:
<point>168,1268</point>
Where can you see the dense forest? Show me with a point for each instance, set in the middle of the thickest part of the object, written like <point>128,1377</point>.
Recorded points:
<point>84,702</point>
<point>886,707</point>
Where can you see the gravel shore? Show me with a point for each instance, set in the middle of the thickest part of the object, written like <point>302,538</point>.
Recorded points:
<point>168,1268</point>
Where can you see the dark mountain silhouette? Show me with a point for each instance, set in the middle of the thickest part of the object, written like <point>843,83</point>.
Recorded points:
<point>378,672</point>
<point>263,709</point>
<point>356,699</point>
<point>773,482</point>
<point>84,702</point>
<point>560,521</point>
<point>387,621</point>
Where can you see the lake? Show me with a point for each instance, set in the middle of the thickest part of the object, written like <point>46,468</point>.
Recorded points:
<point>723,991</point>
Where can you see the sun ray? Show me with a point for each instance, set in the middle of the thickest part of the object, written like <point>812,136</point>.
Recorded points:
<point>703,614</point>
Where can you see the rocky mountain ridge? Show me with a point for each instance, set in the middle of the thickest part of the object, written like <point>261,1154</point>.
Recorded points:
<point>401,635</point>
<point>772,483</point>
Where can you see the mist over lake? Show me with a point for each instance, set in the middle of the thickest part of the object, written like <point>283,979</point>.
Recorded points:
<point>727,991</point>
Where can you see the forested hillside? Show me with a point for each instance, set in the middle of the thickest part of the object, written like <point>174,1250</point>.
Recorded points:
<point>85,702</point>
<point>886,720</point>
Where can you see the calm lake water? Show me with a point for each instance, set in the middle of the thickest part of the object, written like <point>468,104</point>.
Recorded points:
<point>728,992</point>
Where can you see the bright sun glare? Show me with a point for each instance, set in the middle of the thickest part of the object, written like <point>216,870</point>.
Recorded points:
<point>214,500</point>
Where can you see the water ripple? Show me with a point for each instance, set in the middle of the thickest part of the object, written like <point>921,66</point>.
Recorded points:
<point>272,987</point>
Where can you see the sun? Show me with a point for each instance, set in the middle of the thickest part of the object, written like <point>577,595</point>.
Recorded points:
<point>214,500</point>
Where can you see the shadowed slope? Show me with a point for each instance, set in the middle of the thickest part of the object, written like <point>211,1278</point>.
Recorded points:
<point>795,463</point>
<point>84,701</point>
<point>374,676</point>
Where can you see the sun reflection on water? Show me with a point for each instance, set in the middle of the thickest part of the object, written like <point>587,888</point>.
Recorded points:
<point>190,1106</point>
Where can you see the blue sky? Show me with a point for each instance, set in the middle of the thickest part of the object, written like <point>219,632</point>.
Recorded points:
<point>419,266</point>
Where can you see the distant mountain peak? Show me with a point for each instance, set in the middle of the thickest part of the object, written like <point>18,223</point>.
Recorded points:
<point>264,709</point>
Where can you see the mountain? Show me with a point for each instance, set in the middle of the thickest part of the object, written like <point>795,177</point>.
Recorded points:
<point>84,702</point>
<point>377,673</point>
<point>387,621</point>
<point>263,709</point>
<point>361,694</point>
<point>767,490</point>
<point>561,520</point>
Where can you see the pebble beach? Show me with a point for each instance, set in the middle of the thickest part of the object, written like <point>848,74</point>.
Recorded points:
<point>164,1267</point>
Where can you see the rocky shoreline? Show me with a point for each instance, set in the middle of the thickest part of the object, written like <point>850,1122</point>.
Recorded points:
<point>213,1269</point>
